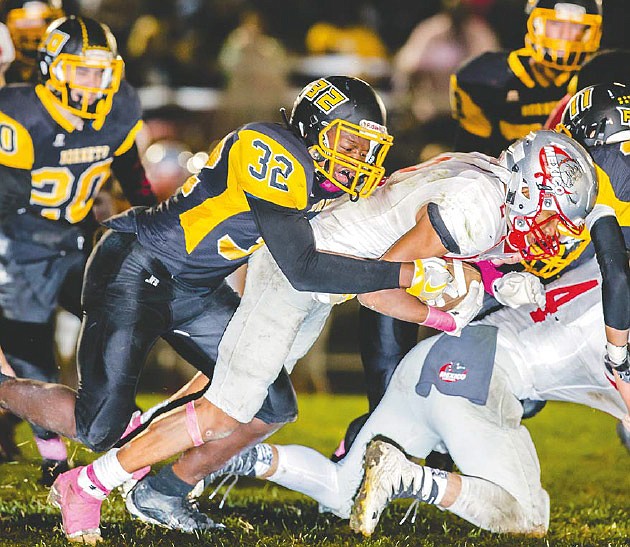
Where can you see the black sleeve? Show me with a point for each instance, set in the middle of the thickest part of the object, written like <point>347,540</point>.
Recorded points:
<point>15,190</point>
<point>289,237</point>
<point>613,263</point>
<point>133,180</point>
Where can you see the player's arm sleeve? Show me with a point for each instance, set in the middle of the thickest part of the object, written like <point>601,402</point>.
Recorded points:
<point>613,263</point>
<point>15,190</point>
<point>289,237</point>
<point>132,177</point>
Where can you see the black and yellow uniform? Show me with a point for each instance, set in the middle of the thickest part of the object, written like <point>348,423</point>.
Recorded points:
<point>161,272</point>
<point>501,96</point>
<point>56,172</point>
<point>51,173</point>
<point>613,169</point>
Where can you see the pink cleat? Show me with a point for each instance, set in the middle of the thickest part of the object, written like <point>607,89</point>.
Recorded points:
<point>80,512</point>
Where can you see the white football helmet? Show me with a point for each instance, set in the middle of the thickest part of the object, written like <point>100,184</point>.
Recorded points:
<point>549,172</point>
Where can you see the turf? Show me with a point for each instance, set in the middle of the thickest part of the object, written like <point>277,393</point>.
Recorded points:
<point>584,469</point>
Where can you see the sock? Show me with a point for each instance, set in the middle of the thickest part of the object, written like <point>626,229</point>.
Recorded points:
<point>253,462</point>
<point>433,485</point>
<point>108,472</point>
<point>264,458</point>
<point>52,449</point>
<point>307,471</point>
<point>168,483</point>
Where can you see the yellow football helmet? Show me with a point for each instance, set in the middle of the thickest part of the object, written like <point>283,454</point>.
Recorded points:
<point>27,21</point>
<point>330,107</point>
<point>571,247</point>
<point>80,68</point>
<point>562,34</point>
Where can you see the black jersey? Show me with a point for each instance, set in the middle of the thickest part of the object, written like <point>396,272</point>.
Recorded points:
<point>613,162</point>
<point>207,229</point>
<point>500,96</point>
<point>67,167</point>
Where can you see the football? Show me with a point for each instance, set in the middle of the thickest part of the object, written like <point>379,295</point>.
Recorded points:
<point>464,273</point>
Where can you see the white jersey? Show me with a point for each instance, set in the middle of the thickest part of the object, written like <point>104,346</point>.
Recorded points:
<point>468,189</point>
<point>558,354</point>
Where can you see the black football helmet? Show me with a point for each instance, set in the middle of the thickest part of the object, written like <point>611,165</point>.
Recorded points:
<point>335,104</point>
<point>72,48</point>
<point>27,21</point>
<point>598,114</point>
<point>564,52</point>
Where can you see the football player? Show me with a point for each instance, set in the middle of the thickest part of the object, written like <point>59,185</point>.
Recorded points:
<point>423,211</point>
<point>496,98</point>
<point>161,271</point>
<point>27,21</point>
<point>500,96</point>
<point>599,117</point>
<point>551,353</point>
<point>60,140</point>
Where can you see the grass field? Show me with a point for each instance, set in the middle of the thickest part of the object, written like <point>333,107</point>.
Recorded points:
<point>584,469</point>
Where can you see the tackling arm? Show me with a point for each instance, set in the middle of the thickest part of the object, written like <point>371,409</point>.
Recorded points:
<point>289,237</point>
<point>423,242</point>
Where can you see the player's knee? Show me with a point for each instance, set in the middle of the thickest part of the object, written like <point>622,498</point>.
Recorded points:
<point>97,436</point>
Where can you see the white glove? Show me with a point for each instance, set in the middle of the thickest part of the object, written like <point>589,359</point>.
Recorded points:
<point>516,289</point>
<point>430,278</point>
<point>468,308</point>
<point>332,299</point>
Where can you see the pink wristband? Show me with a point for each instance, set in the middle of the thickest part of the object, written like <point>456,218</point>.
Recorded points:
<point>489,274</point>
<point>440,320</point>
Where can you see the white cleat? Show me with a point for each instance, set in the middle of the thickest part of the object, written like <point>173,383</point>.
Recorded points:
<point>388,475</point>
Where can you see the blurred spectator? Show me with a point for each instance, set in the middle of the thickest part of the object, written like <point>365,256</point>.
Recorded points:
<point>256,68</point>
<point>436,47</point>
<point>345,43</point>
<point>175,42</point>
<point>7,52</point>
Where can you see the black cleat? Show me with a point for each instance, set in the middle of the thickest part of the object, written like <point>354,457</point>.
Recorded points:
<point>172,512</point>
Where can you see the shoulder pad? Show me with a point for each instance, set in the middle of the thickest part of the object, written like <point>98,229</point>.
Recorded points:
<point>270,163</point>
<point>126,106</point>
<point>16,143</point>
<point>489,69</point>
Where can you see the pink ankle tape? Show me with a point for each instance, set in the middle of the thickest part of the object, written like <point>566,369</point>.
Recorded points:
<point>94,479</point>
<point>489,274</point>
<point>52,449</point>
<point>440,320</point>
<point>192,425</point>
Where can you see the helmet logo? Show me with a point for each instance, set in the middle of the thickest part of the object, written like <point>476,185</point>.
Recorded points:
<point>373,126</point>
<point>55,42</point>
<point>625,115</point>
<point>325,96</point>
<point>581,102</point>
<point>559,170</point>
